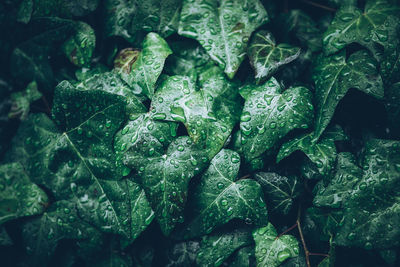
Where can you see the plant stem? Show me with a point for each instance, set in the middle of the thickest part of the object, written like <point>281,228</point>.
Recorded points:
<point>46,103</point>
<point>306,252</point>
<point>244,177</point>
<point>287,230</point>
<point>319,5</point>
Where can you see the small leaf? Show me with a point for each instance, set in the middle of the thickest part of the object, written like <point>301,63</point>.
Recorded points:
<point>223,28</point>
<point>322,153</point>
<point>19,197</point>
<point>21,101</point>
<point>272,251</point>
<point>146,68</point>
<point>269,114</point>
<point>219,198</point>
<point>217,247</point>
<point>79,48</point>
<point>334,76</point>
<point>279,191</point>
<point>266,57</point>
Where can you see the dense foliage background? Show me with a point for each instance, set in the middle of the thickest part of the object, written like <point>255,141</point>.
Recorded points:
<point>199,133</point>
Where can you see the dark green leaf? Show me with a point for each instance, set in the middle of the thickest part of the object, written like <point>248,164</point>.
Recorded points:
<point>183,254</point>
<point>392,104</point>
<point>165,179</point>
<point>322,153</point>
<point>142,71</point>
<point>127,18</point>
<point>209,114</point>
<point>279,191</point>
<point>266,57</point>
<point>19,197</point>
<point>272,251</point>
<point>22,100</point>
<point>269,114</point>
<point>5,239</point>
<point>217,247</point>
<point>244,257</point>
<point>222,27</point>
<point>334,76</point>
<point>351,25</point>
<point>220,198</point>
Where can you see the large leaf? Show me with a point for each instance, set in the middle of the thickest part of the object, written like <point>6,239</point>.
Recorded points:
<point>127,18</point>
<point>217,247</point>
<point>144,70</point>
<point>334,76</point>
<point>266,57</point>
<point>370,202</point>
<point>322,153</point>
<point>269,114</point>
<point>19,197</point>
<point>22,100</point>
<point>61,221</point>
<point>272,250</point>
<point>220,198</point>
<point>165,179</point>
<point>351,25</point>
<point>209,114</point>
<point>77,159</point>
<point>279,191</point>
<point>222,27</point>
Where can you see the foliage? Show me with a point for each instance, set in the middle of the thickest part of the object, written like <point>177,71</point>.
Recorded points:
<point>200,133</point>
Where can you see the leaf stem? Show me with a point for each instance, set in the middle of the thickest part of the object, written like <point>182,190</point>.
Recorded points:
<point>244,177</point>
<point>319,5</point>
<point>287,230</point>
<point>318,254</point>
<point>306,252</point>
<point>46,103</point>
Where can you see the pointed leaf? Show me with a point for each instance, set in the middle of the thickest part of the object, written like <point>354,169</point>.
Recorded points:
<point>266,57</point>
<point>334,76</point>
<point>145,69</point>
<point>217,247</point>
<point>351,25</point>
<point>209,114</point>
<point>272,251</point>
<point>279,191</point>
<point>222,27</point>
<point>19,197</point>
<point>165,179</point>
<point>219,198</point>
<point>268,115</point>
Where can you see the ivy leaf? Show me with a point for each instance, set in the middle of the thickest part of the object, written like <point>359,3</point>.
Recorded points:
<point>269,114</point>
<point>334,76</point>
<point>390,65</point>
<point>144,69</point>
<point>392,95</point>
<point>77,159</point>
<point>143,137</point>
<point>272,251</point>
<point>223,28</point>
<point>127,18</point>
<point>19,197</point>
<point>217,247</point>
<point>244,257</point>
<point>302,27</point>
<point>279,191</point>
<point>40,235</point>
<point>183,254</point>
<point>266,57</point>
<point>370,206</point>
<point>22,100</point>
<point>322,153</point>
<point>351,25</point>
<point>209,114</point>
<point>111,82</point>
<point>79,48</point>
<point>220,198</point>
<point>165,179</point>
<point>5,239</point>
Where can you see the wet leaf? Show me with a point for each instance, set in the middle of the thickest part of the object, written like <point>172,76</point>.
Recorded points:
<point>267,57</point>
<point>223,28</point>
<point>269,114</point>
